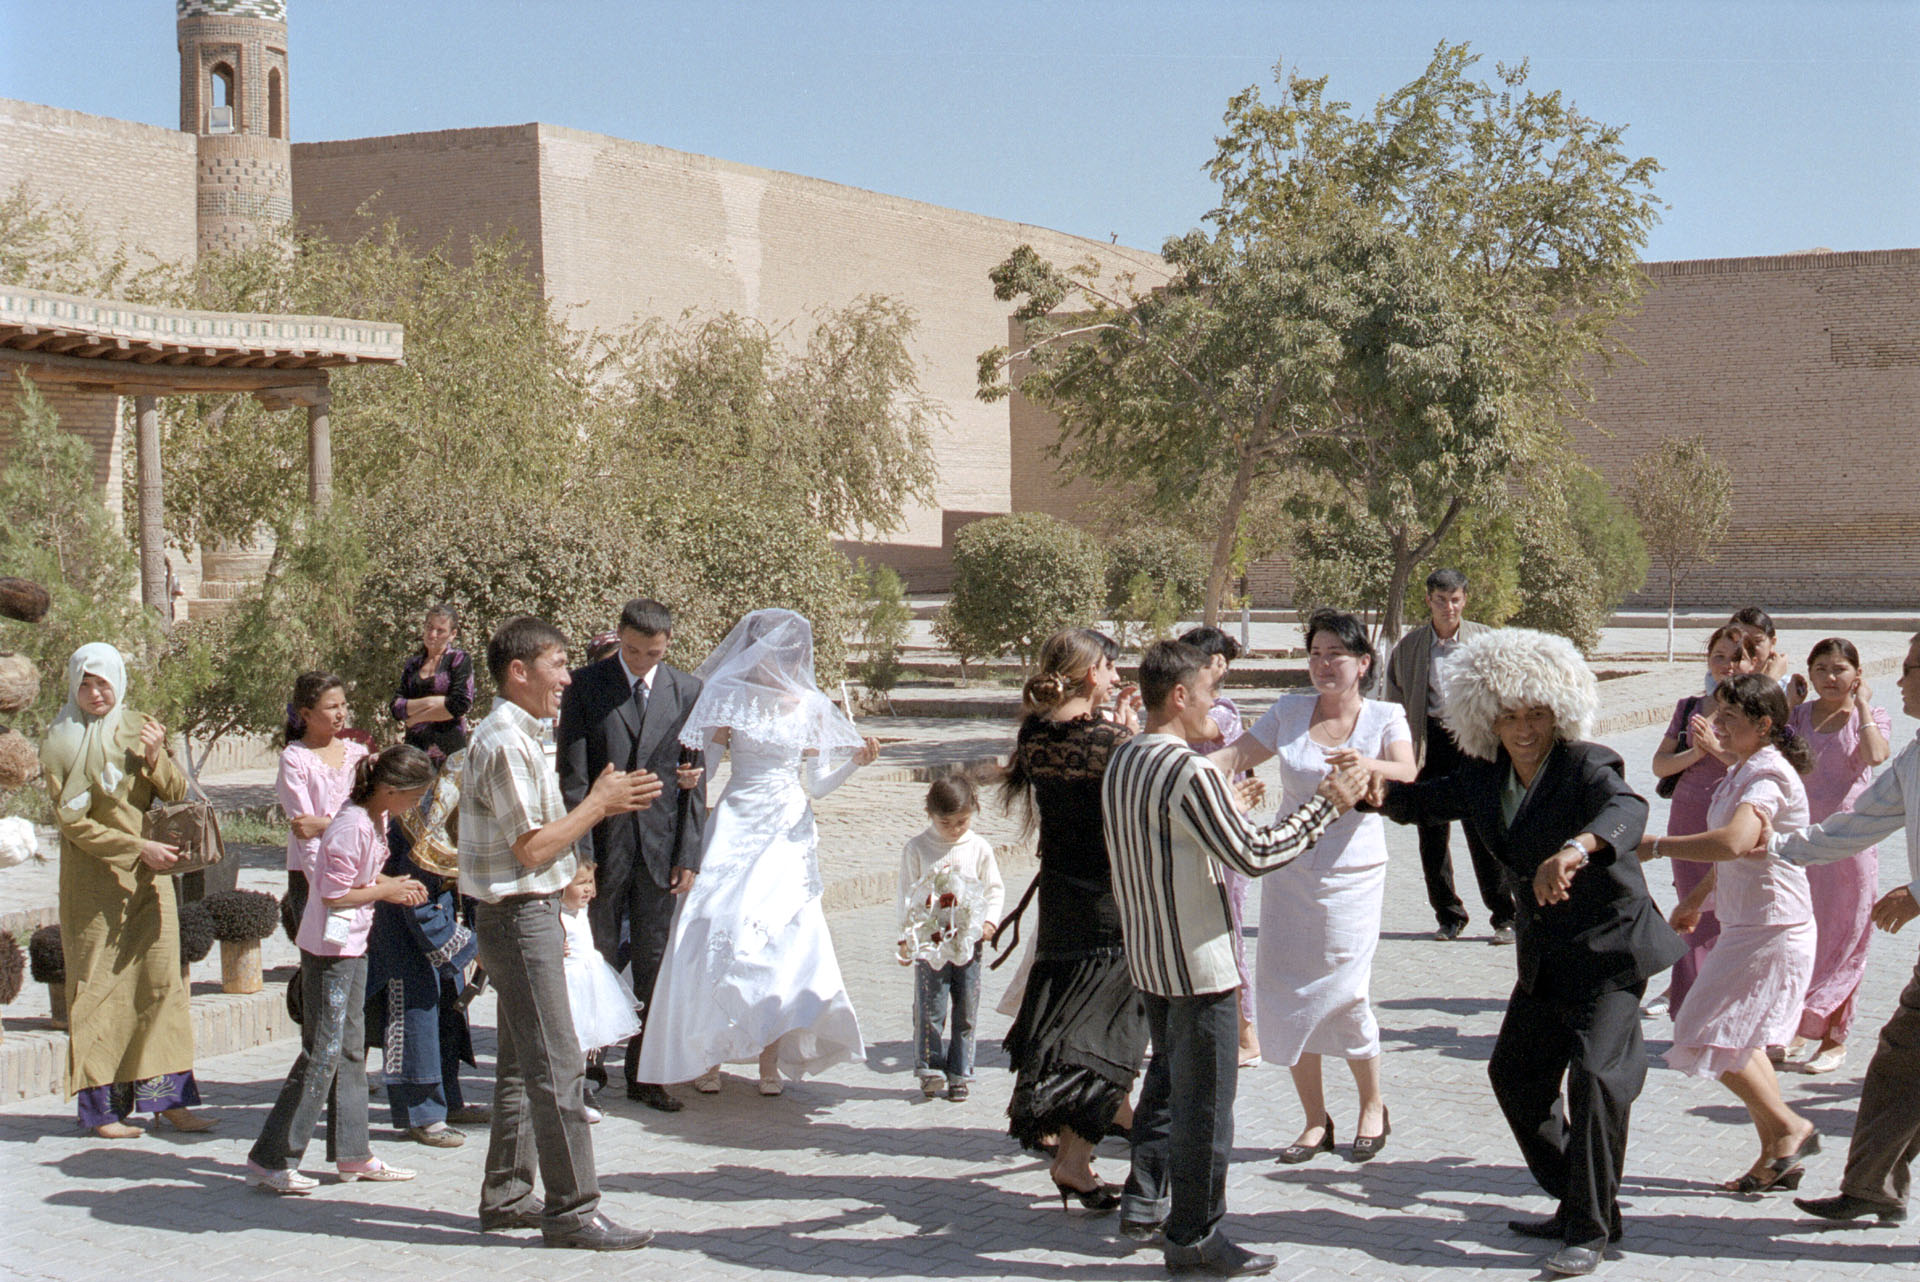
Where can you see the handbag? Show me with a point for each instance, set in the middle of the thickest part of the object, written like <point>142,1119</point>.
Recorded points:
<point>1667,785</point>
<point>193,828</point>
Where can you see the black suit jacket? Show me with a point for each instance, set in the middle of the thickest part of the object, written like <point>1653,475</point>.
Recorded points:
<point>1608,934</point>
<point>599,725</point>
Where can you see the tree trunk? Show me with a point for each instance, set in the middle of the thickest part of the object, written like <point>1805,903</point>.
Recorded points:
<point>1224,540</point>
<point>1396,592</point>
<point>1673,588</point>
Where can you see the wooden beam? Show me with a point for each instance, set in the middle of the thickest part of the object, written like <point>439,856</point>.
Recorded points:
<point>162,378</point>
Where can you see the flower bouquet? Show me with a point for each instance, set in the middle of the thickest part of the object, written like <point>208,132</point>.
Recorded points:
<point>945,914</point>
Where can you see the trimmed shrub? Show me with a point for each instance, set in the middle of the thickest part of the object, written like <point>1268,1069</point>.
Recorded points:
<point>242,916</point>
<point>46,959</point>
<point>13,968</point>
<point>1017,580</point>
<point>196,932</point>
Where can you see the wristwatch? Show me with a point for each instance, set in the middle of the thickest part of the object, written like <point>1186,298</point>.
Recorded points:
<point>1577,849</point>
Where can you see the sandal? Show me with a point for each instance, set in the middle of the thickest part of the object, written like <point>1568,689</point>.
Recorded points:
<point>708,1083</point>
<point>1781,1174</point>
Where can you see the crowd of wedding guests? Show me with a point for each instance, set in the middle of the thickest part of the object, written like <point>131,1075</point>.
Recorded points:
<point>619,916</point>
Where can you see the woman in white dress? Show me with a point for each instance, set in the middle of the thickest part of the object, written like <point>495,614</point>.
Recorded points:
<point>1320,920</point>
<point>749,972</point>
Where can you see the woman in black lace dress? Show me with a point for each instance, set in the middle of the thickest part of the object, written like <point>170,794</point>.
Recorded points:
<point>1081,1033</point>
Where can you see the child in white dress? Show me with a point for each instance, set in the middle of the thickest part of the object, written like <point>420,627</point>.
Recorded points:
<point>602,1000</point>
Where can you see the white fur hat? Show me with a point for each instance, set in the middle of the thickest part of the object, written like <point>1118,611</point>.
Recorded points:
<point>1509,667</point>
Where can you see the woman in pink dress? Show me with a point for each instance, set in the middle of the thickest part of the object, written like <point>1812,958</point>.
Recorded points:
<point>1849,737</point>
<point>316,769</point>
<point>1750,988</point>
<point>1692,751</point>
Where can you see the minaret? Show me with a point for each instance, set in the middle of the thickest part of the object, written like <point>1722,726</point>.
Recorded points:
<point>233,97</point>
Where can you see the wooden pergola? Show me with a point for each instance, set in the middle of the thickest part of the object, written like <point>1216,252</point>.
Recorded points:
<point>130,349</point>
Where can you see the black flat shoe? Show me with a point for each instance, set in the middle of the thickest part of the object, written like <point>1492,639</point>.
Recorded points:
<point>597,1234</point>
<point>1554,1228</point>
<point>1575,1261</point>
<point>1295,1154</point>
<point>1367,1147</point>
<point>653,1096</point>
<point>1846,1206</point>
<point>1101,1197</point>
<point>1218,1258</point>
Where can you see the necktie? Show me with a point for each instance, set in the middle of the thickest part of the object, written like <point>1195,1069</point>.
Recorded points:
<point>640,697</point>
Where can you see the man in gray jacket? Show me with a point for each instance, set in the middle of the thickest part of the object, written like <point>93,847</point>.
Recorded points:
<point>1413,682</point>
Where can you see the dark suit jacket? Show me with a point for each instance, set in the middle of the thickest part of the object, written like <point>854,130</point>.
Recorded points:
<point>1608,935</point>
<point>599,725</point>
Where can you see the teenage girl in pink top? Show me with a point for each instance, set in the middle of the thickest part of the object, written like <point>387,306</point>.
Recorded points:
<point>316,766</point>
<point>346,882</point>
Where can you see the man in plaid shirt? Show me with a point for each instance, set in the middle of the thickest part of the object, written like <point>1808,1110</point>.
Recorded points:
<point>516,856</point>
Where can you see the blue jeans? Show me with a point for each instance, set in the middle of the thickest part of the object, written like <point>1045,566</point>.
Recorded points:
<point>330,1074</point>
<point>934,992</point>
<point>1183,1125</point>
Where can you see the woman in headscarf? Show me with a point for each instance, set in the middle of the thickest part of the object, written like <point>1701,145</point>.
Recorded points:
<point>130,1044</point>
<point>750,974</point>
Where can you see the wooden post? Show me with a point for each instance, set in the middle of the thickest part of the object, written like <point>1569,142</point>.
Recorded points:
<point>320,451</point>
<point>153,509</point>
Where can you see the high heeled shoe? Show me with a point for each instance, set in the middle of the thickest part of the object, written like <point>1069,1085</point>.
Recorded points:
<point>1367,1147</point>
<point>1295,1154</point>
<point>1101,1197</point>
<point>1780,1175</point>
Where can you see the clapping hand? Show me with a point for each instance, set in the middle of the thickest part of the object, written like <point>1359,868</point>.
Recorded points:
<point>153,741</point>
<point>869,752</point>
<point>1248,794</point>
<point>404,891</point>
<point>622,791</point>
<point>1344,787</point>
<point>687,777</point>
<point>1126,706</point>
<point>1700,731</point>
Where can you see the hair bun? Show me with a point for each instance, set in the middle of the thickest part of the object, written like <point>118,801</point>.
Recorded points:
<point>1046,690</point>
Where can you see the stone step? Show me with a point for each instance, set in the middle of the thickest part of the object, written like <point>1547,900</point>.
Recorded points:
<point>33,1054</point>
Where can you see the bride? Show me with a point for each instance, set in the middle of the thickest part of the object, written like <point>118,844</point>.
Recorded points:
<point>750,971</point>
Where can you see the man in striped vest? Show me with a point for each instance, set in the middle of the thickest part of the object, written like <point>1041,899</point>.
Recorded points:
<point>1172,824</point>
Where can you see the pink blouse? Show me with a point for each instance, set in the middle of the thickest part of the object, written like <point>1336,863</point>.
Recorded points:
<point>308,786</point>
<point>1840,770</point>
<point>352,853</point>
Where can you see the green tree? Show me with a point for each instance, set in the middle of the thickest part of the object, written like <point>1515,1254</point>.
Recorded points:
<point>1683,495</point>
<point>1407,301</point>
<point>884,621</point>
<point>58,533</point>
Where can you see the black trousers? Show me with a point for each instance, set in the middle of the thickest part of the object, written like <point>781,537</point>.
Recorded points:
<point>1575,1153</point>
<point>1183,1124</point>
<point>1436,860</point>
<point>650,929</point>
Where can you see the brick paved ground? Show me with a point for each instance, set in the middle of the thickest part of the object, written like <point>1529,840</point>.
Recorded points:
<point>851,1175</point>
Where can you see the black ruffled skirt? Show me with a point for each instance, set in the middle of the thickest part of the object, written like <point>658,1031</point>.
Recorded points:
<point>1076,1047</point>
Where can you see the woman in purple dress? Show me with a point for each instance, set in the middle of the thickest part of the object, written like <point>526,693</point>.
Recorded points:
<point>1693,752</point>
<point>436,688</point>
<point>1849,737</point>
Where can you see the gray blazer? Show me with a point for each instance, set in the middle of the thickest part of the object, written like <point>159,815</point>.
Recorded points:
<point>1407,677</point>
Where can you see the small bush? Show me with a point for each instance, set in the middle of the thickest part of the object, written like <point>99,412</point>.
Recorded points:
<point>196,932</point>
<point>884,621</point>
<point>13,968</point>
<point>1017,580</point>
<point>242,916</point>
<point>46,959</point>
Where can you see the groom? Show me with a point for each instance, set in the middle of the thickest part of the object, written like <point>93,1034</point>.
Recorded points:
<point>627,711</point>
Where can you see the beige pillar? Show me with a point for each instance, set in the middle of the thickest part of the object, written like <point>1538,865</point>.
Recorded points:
<point>320,451</point>
<point>153,508</point>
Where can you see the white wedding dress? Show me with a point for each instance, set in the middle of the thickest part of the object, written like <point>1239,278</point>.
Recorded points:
<point>750,961</point>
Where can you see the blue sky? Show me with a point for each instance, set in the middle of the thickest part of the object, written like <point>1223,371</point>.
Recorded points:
<point>1781,126</point>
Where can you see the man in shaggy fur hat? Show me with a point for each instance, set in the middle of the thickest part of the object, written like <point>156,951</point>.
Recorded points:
<point>1557,813</point>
